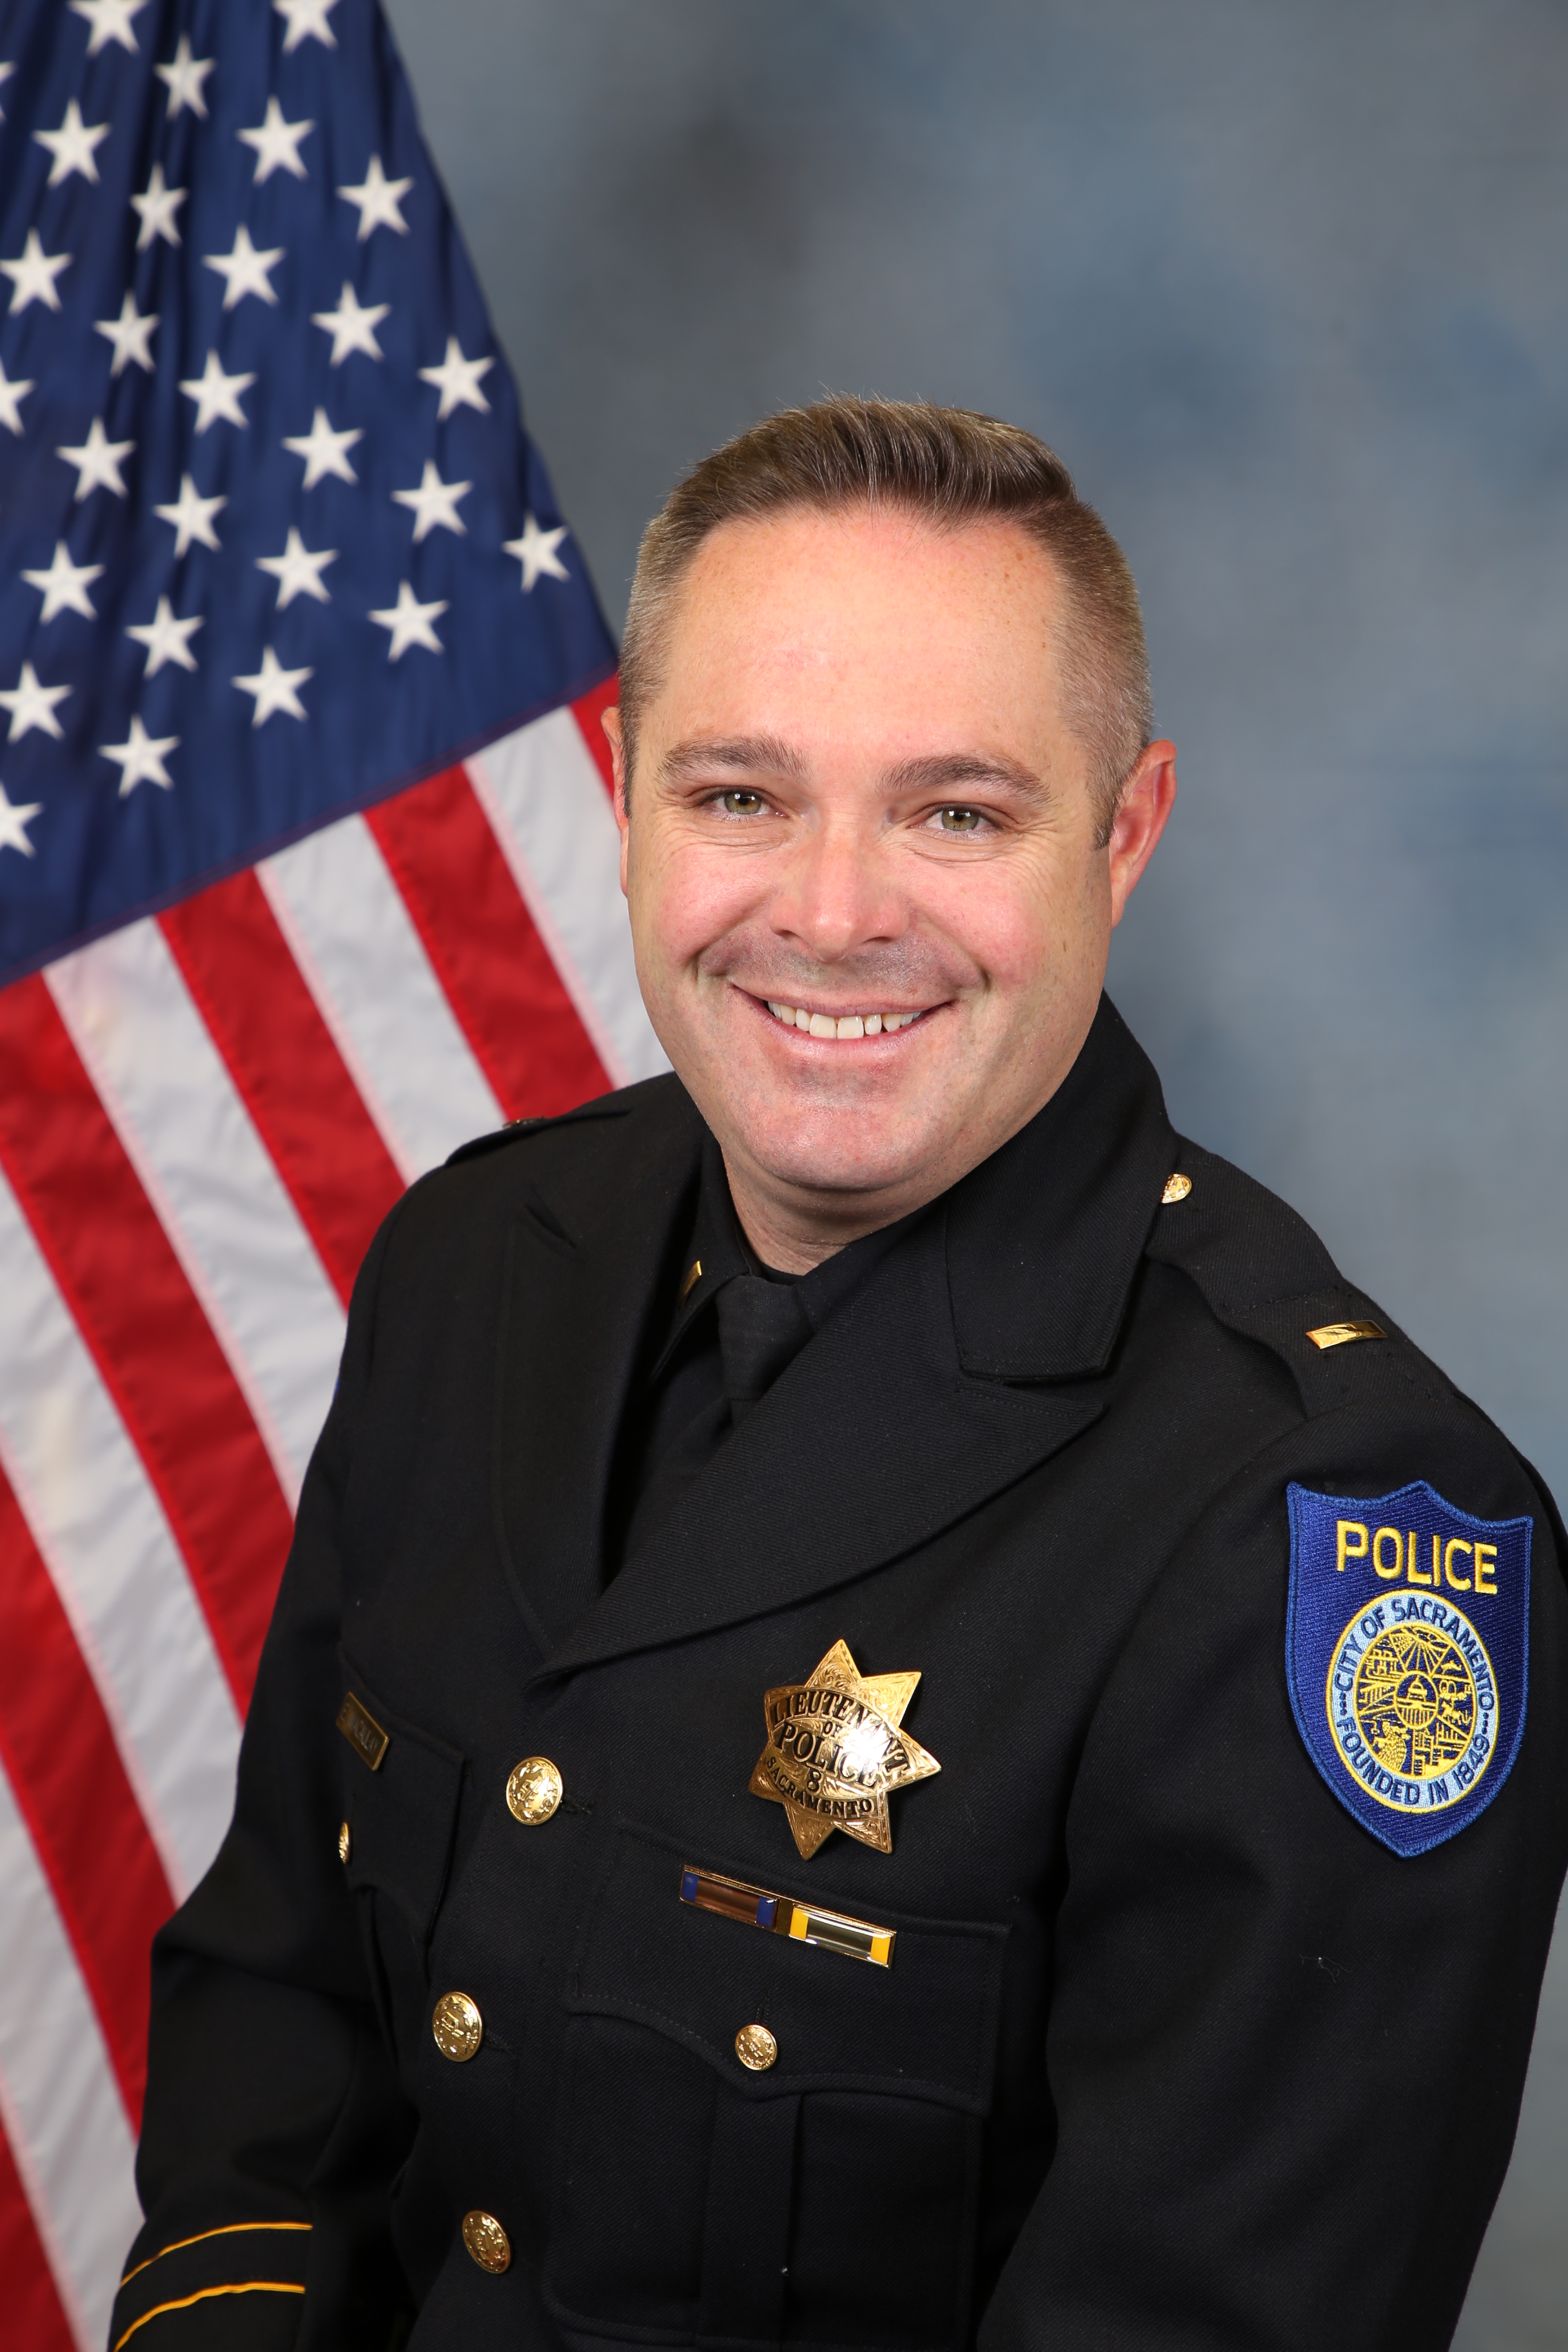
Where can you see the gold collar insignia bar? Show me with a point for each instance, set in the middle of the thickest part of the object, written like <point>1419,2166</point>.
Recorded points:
<point>1337,1335</point>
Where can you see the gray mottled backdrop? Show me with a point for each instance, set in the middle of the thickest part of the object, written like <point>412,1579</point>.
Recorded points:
<point>1286,286</point>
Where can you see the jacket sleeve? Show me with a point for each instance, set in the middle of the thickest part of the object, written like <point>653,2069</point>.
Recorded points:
<point>274,2122</point>
<point>1286,2064</point>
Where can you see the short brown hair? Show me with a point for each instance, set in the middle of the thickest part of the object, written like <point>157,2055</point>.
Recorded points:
<point>951,466</point>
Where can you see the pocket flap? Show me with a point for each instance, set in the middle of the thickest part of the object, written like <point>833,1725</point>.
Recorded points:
<point>403,1812</point>
<point>923,2028</point>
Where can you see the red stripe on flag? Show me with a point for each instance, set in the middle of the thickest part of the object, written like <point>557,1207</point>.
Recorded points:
<point>149,1339</point>
<point>588,711</point>
<point>70,1782</point>
<point>503,989</point>
<point>35,2315</point>
<point>290,1075</point>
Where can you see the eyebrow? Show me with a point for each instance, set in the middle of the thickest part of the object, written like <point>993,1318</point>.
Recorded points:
<point>770,755</point>
<point>944,770</point>
<point>741,755</point>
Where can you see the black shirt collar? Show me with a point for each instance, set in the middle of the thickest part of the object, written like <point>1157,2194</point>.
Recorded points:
<point>718,1252</point>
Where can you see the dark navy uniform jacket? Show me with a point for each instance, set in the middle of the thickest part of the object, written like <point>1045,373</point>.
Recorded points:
<point>1172,2053</point>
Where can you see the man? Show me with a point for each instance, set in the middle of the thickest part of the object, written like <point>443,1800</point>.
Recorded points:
<point>896,1718</point>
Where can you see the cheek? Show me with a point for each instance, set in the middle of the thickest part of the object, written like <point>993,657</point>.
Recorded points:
<point>1018,918</point>
<point>684,896</point>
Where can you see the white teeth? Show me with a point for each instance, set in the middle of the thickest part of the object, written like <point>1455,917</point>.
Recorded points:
<point>846,1024</point>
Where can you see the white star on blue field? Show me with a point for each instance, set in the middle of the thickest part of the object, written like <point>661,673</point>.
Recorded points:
<point>272,540</point>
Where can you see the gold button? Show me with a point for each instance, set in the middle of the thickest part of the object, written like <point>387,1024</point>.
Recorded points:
<point>486,2241</point>
<point>533,1789</point>
<point>755,2048</point>
<point>458,2026</point>
<point>1176,1189</point>
<point>345,1842</point>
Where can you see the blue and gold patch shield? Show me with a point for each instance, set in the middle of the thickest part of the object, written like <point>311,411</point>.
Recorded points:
<point>1406,1652</point>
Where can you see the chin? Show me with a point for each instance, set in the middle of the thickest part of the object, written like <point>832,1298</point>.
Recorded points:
<point>857,1160</point>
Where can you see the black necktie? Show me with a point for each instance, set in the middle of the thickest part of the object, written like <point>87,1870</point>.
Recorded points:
<point>761,1327</point>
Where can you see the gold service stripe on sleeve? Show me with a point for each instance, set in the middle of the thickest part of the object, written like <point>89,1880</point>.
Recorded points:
<point>204,2294</point>
<point>227,2229</point>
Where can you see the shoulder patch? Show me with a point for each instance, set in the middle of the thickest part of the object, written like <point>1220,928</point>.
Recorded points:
<point>1406,1654</point>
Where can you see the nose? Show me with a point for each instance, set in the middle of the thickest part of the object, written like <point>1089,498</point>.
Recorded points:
<point>838,892</point>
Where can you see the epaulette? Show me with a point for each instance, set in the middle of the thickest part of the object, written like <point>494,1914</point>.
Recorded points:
<point>612,1105</point>
<point>1263,1272</point>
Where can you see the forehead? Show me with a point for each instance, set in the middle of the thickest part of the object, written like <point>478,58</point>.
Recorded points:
<point>858,611</point>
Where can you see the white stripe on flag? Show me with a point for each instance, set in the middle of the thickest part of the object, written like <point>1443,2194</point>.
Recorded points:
<point>58,2100</point>
<point>122,1583</point>
<point>228,1219</point>
<point>551,817</point>
<point>343,917</point>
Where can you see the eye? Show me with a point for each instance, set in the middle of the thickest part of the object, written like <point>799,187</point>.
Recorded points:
<point>960,821</point>
<point>741,803</point>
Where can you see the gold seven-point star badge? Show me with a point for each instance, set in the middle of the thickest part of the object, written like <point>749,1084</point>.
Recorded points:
<point>834,1749</point>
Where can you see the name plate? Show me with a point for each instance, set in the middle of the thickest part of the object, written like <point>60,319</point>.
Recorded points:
<point>363,1732</point>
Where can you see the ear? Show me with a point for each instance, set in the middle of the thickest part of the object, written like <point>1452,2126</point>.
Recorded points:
<point>1147,799</point>
<point>610,720</point>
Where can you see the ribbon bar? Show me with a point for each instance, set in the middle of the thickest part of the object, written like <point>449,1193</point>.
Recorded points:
<point>753,1906</point>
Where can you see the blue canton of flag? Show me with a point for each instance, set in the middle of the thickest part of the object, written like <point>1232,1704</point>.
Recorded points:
<point>272,541</point>
<point>1408,1655</point>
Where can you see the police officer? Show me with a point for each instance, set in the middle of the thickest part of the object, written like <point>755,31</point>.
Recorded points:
<point>897,1719</point>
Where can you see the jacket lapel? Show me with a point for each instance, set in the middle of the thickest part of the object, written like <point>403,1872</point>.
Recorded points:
<point>1048,1233</point>
<point>582,1304</point>
<point>868,1444</point>
<point>969,1357</point>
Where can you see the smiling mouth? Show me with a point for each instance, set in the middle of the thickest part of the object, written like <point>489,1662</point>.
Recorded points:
<point>842,1025</point>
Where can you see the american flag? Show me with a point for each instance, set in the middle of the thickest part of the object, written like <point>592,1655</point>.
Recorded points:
<point>307,873</point>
